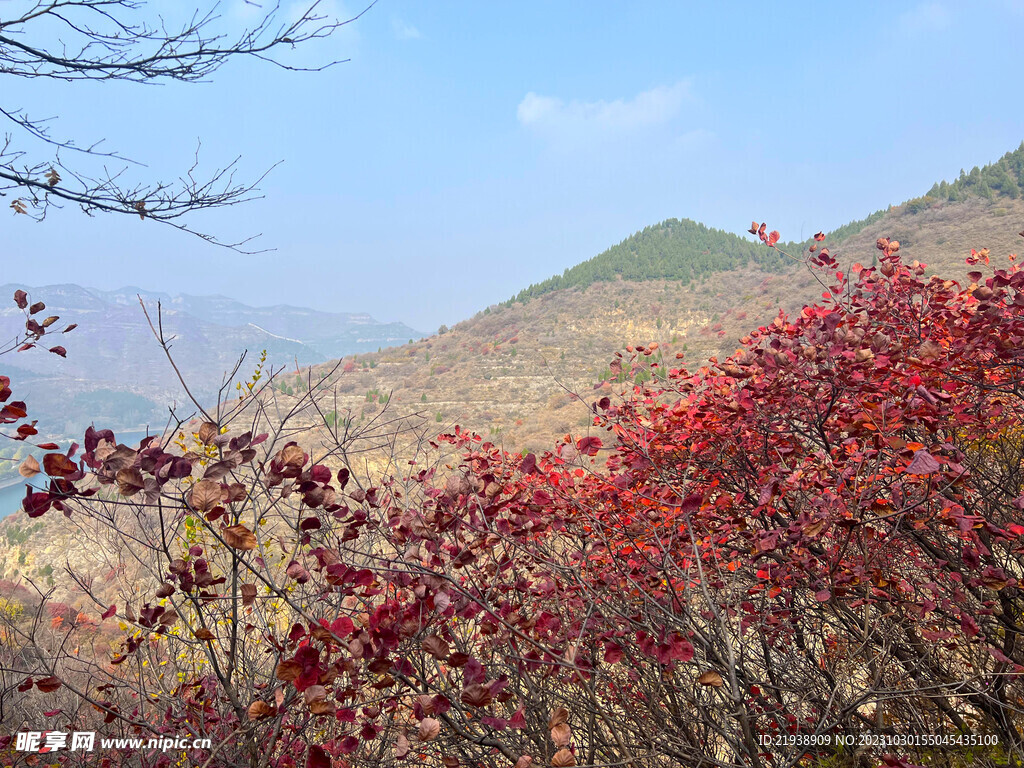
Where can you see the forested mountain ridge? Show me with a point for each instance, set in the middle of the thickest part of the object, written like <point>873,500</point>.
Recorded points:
<point>683,250</point>
<point>673,249</point>
<point>508,371</point>
<point>1003,178</point>
<point>687,250</point>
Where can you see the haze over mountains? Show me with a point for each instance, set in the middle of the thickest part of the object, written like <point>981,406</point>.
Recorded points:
<point>116,371</point>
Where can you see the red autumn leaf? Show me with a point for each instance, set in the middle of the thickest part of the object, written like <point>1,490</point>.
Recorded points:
<point>164,590</point>
<point>317,758</point>
<point>923,463</point>
<point>48,684</point>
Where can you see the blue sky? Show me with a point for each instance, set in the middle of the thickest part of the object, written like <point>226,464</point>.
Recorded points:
<point>470,149</point>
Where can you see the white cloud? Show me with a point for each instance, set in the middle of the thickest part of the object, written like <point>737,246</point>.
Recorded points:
<point>549,114</point>
<point>925,17</point>
<point>403,30</point>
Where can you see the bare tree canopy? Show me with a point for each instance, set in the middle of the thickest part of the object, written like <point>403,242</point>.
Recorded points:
<point>129,40</point>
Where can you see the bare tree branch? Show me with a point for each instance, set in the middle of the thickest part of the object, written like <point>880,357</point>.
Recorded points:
<point>127,40</point>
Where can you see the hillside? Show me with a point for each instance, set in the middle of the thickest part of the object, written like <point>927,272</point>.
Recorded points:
<point>510,371</point>
<point>671,250</point>
<point>687,250</point>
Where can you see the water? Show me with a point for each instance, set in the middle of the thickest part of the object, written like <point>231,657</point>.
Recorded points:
<point>11,496</point>
<point>10,499</point>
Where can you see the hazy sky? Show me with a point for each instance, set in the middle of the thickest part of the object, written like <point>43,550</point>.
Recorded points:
<point>470,149</point>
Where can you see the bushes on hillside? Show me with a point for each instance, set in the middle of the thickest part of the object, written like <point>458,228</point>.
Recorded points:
<point>816,540</point>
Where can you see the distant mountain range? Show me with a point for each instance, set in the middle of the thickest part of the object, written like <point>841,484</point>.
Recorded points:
<point>116,372</point>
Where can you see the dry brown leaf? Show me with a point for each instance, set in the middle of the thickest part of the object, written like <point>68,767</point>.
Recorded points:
<point>561,734</point>
<point>563,758</point>
<point>323,708</point>
<point>314,693</point>
<point>239,537</point>
<point>207,432</point>
<point>814,528</point>
<point>429,729</point>
<point>129,481</point>
<point>293,455</point>
<point>205,495</point>
<point>711,678</point>
<point>248,594</point>
<point>436,647</point>
<point>259,709</point>
<point>401,746</point>
<point>558,716</point>
<point>288,671</point>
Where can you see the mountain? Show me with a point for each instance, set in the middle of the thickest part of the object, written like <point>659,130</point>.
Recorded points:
<point>509,371</point>
<point>687,250</point>
<point>116,371</point>
<point>670,250</point>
